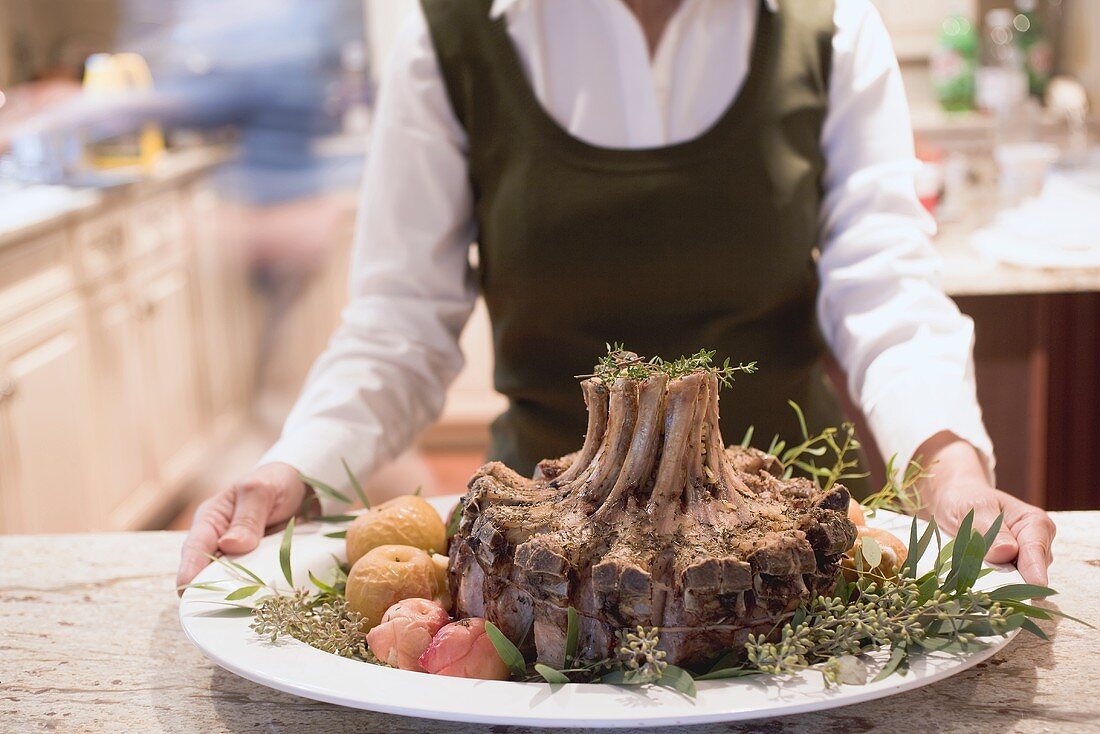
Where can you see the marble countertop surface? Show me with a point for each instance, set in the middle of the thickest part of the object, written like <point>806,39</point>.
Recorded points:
<point>90,642</point>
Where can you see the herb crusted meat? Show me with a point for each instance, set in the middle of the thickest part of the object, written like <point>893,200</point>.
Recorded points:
<point>653,522</point>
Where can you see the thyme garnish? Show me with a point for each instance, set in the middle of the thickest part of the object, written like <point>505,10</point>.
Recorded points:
<point>620,363</point>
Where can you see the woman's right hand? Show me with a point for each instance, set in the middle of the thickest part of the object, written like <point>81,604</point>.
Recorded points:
<point>234,520</point>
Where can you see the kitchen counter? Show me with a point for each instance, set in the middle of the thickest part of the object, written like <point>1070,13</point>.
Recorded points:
<point>91,642</point>
<point>966,272</point>
<point>33,209</point>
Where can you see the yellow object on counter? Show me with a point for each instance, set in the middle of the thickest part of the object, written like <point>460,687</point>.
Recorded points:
<point>114,73</point>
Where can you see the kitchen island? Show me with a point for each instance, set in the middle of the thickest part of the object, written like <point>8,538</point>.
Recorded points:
<point>91,643</point>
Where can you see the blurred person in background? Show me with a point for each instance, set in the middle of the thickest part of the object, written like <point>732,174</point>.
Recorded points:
<point>283,75</point>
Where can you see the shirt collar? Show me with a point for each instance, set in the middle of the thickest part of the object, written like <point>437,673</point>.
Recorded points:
<point>499,7</point>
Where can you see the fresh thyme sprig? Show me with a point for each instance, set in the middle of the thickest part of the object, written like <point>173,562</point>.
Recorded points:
<point>621,363</point>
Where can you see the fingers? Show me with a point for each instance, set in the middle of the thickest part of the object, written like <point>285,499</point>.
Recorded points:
<point>1035,534</point>
<point>211,520</point>
<point>1004,547</point>
<point>251,512</point>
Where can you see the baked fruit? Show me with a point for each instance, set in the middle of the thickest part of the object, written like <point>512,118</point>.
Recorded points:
<point>406,520</point>
<point>386,575</point>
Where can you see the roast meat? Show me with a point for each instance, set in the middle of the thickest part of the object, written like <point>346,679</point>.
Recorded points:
<point>652,522</point>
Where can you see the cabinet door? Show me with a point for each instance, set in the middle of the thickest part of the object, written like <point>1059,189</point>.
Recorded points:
<point>221,288</point>
<point>46,423</point>
<point>171,367</point>
<point>122,446</point>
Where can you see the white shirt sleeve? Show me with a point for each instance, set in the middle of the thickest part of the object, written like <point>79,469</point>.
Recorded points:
<point>383,377</point>
<point>906,348</point>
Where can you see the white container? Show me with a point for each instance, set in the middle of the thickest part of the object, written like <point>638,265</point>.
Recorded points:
<point>1023,168</point>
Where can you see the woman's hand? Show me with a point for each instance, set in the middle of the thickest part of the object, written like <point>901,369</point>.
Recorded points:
<point>234,520</point>
<point>958,484</point>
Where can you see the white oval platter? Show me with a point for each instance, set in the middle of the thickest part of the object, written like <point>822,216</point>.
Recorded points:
<point>294,667</point>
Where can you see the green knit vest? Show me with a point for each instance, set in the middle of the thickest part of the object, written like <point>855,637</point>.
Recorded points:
<point>702,244</point>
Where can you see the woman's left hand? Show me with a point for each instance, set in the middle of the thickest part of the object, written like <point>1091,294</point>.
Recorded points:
<point>957,484</point>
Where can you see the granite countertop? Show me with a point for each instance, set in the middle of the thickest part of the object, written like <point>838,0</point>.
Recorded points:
<point>91,642</point>
<point>966,272</point>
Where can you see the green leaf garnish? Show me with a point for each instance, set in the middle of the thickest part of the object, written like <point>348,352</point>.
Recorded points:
<point>322,488</point>
<point>679,679</point>
<point>284,552</point>
<point>572,629</point>
<point>355,485</point>
<point>508,652</point>
<point>550,675</point>
<point>242,593</point>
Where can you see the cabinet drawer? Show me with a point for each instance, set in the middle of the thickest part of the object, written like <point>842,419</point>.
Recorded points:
<point>157,229</point>
<point>32,273</point>
<point>101,246</point>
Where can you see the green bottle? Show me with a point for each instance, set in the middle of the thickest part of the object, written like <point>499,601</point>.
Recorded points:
<point>1035,47</point>
<point>953,62</point>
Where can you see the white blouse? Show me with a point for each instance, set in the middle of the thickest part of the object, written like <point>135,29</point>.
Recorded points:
<point>904,345</point>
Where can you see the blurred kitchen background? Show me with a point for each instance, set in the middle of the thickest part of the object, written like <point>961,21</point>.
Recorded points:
<point>178,185</point>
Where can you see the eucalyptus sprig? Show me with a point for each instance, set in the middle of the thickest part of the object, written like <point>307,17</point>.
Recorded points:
<point>938,611</point>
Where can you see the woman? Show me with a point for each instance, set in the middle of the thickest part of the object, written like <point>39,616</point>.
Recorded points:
<point>672,174</point>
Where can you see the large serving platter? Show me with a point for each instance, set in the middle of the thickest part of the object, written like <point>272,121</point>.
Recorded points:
<point>296,668</point>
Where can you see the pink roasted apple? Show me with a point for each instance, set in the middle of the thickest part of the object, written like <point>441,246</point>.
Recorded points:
<point>463,650</point>
<point>406,630</point>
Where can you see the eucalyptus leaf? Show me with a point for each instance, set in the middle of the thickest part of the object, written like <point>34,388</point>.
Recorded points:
<point>508,652</point>
<point>551,676</point>
<point>233,565</point>
<point>896,656</point>
<point>242,593</point>
<point>962,540</point>
<point>322,488</point>
<point>969,565</point>
<point>1021,592</point>
<point>917,552</point>
<point>321,584</point>
<point>1034,629</point>
<point>335,518</point>
<point>337,534</point>
<point>355,485</point>
<point>724,673</point>
<point>679,679</point>
<point>284,552</point>
<point>454,519</point>
<point>572,630</point>
<point>991,533</point>
<point>204,585</point>
<point>871,551</point>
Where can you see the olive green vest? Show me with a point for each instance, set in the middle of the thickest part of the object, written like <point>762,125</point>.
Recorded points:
<point>702,244</point>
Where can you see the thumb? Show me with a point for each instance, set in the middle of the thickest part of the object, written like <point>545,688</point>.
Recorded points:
<point>1004,548</point>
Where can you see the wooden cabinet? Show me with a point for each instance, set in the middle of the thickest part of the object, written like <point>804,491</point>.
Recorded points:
<point>123,460</point>
<point>45,421</point>
<point>170,362</point>
<point>117,359</point>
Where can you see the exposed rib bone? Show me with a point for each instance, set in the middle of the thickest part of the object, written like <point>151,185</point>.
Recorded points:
<point>600,476</point>
<point>643,445</point>
<point>595,397</point>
